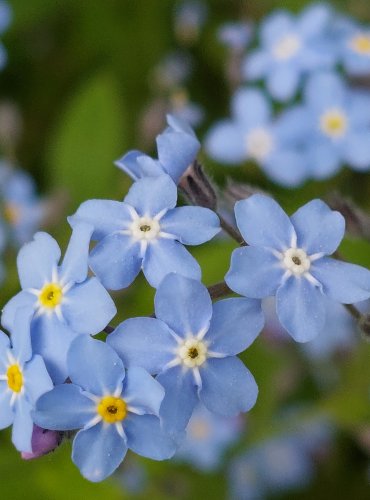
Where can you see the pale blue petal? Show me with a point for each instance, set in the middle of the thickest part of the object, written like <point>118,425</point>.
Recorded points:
<point>116,261</point>
<point>324,159</point>
<point>128,163</point>
<point>180,399</point>
<point>342,282</point>
<point>319,229</point>
<point>256,64</point>
<point>254,272</point>
<point>287,167</point>
<point>21,334</point>
<point>150,196</point>
<point>145,342</point>
<point>21,300</point>
<point>88,307</point>
<point>324,90</point>
<point>168,256</point>
<point>65,408</point>
<point>94,366</point>
<point>141,392</point>
<point>250,108</point>
<point>6,412</point>
<point>146,437</point>
<point>314,20</point>
<point>183,304</point>
<point>37,381</point>
<point>75,263</point>
<point>275,26</point>
<point>191,225</point>
<point>283,82</point>
<point>300,308</point>
<point>98,451</point>
<point>235,324</point>
<point>263,222</point>
<point>356,151</point>
<point>228,387</point>
<point>225,143</point>
<point>106,216</point>
<point>22,426</point>
<point>36,261</point>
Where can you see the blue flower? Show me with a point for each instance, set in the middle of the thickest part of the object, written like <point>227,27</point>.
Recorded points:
<point>288,257</point>
<point>145,232</point>
<point>235,35</point>
<point>22,209</point>
<point>65,301</point>
<point>115,411</point>
<point>5,20</point>
<point>252,134</point>
<point>23,379</point>
<point>290,49</point>
<point>335,125</point>
<point>353,46</point>
<point>208,436</point>
<point>177,149</point>
<point>192,346</point>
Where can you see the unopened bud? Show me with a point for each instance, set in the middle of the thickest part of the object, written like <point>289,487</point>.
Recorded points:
<point>197,187</point>
<point>43,442</point>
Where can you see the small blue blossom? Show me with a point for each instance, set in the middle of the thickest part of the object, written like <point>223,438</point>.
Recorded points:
<point>252,134</point>
<point>115,411</point>
<point>23,379</point>
<point>192,346</point>
<point>208,436</point>
<point>177,149</point>
<point>66,303</point>
<point>288,258</point>
<point>183,109</point>
<point>189,17</point>
<point>5,20</point>
<point>335,125</point>
<point>146,232</point>
<point>290,49</point>
<point>236,36</point>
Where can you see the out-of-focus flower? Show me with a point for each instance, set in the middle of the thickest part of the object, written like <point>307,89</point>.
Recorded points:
<point>5,20</point>
<point>172,71</point>
<point>236,36</point>
<point>189,18</point>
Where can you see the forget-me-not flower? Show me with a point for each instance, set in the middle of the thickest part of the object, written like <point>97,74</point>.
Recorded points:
<point>177,149</point>
<point>290,49</point>
<point>192,346</point>
<point>115,411</point>
<point>23,379</point>
<point>5,20</point>
<point>288,257</point>
<point>252,134</point>
<point>66,303</point>
<point>146,232</point>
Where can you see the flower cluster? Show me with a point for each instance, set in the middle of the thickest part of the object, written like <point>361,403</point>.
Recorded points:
<point>316,55</point>
<point>153,377</point>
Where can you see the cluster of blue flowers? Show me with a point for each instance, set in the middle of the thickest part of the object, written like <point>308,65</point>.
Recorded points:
<point>139,388</point>
<point>315,56</point>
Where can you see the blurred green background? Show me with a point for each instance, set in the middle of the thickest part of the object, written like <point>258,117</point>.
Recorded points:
<point>79,73</point>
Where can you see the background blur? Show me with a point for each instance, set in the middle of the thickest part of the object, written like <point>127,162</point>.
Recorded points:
<point>81,77</point>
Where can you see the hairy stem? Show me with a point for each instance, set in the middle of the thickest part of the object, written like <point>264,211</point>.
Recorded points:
<point>231,230</point>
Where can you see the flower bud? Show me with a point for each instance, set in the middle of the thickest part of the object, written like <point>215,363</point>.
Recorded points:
<point>43,442</point>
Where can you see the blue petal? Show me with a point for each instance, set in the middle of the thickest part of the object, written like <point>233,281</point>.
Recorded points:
<point>180,399</point>
<point>263,222</point>
<point>141,392</point>
<point>283,82</point>
<point>356,150</point>
<point>176,151</point>
<point>150,196</point>
<point>228,387</point>
<point>314,20</point>
<point>324,158</point>
<point>319,229</point>
<point>65,408</point>
<point>128,163</point>
<point>234,325</point>
<point>75,263</point>
<point>287,167</point>
<point>166,256</point>
<point>106,216</point>
<point>145,342</point>
<point>6,411</point>
<point>324,90</point>
<point>98,451</point>
<point>21,334</point>
<point>21,300</point>
<point>251,108</point>
<point>116,261</point>
<point>254,272</point>
<point>191,225</point>
<point>146,438</point>
<point>225,143</point>
<point>256,64</point>
<point>342,282</point>
<point>37,381</point>
<point>37,260</point>
<point>88,307</point>
<point>22,426</point>
<point>300,308</point>
<point>183,304</point>
<point>275,26</point>
<point>94,366</point>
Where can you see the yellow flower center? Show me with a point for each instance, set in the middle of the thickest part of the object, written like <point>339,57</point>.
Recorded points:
<point>11,213</point>
<point>361,44</point>
<point>192,352</point>
<point>333,123</point>
<point>15,378</point>
<point>112,409</point>
<point>51,295</point>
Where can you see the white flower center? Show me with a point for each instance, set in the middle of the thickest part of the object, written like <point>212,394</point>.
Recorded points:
<point>286,47</point>
<point>259,143</point>
<point>360,43</point>
<point>145,228</point>
<point>296,261</point>
<point>192,352</point>
<point>334,123</point>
